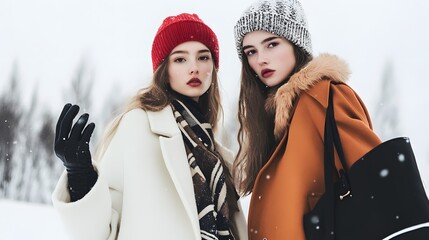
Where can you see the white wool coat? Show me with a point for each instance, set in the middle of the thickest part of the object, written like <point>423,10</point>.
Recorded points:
<point>144,189</point>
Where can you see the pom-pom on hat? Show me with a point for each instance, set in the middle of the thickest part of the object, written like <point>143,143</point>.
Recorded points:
<point>182,28</point>
<point>285,18</point>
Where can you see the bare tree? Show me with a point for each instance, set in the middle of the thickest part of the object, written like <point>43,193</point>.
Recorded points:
<point>29,168</point>
<point>10,118</point>
<point>386,118</point>
<point>81,85</point>
<point>26,155</point>
<point>50,168</point>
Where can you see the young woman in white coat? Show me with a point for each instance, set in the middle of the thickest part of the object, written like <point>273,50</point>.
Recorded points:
<point>159,173</point>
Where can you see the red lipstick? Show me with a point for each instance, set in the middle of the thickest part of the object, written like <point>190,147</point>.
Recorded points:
<point>194,82</point>
<point>265,73</point>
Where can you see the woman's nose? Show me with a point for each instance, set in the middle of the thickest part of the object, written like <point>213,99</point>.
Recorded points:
<point>193,69</point>
<point>262,59</point>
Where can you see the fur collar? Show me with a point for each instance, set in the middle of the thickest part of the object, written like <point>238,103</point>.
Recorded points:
<point>323,67</point>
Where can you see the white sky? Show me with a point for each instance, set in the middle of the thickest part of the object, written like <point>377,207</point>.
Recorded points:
<point>47,39</point>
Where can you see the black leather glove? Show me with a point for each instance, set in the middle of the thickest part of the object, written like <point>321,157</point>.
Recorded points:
<point>72,147</point>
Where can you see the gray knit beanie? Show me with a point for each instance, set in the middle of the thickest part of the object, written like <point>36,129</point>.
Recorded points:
<point>285,18</point>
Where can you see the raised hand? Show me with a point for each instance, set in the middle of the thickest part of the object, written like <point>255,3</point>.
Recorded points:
<point>72,147</point>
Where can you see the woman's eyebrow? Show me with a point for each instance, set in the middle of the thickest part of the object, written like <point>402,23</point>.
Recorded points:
<point>262,42</point>
<point>187,52</point>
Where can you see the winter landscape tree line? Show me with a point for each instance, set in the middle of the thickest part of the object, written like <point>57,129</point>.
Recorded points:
<point>29,168</point>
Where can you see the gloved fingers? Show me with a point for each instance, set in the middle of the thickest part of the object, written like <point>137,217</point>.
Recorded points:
<point>60,119</point>
<point>79,126</point>
<point>86,135</point>
<point>67,122</point>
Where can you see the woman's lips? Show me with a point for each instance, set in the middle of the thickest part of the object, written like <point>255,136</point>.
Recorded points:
<point>194,82</point>
<point>267,73</point>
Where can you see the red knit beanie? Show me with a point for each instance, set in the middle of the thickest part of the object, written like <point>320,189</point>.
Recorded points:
<point>182,28</point>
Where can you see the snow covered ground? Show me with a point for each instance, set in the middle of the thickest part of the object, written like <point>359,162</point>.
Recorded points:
<point>29,221</point>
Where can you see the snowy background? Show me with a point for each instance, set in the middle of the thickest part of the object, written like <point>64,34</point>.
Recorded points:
<point>97,53</point>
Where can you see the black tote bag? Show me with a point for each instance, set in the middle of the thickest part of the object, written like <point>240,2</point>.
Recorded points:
<point>381,196</point>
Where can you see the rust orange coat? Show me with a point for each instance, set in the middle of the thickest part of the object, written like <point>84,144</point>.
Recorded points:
<point>292,180</point>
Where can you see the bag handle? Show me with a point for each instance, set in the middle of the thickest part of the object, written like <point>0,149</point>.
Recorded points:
<point>343,173</point>
<point>331,140</point>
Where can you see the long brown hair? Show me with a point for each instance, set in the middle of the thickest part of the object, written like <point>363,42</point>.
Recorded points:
<point>156,97</point>
<point>256,133</point>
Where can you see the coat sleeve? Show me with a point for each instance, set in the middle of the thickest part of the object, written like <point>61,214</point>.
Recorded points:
<point>97,216</point>
<point>354,124</point>
<point>91,216</point>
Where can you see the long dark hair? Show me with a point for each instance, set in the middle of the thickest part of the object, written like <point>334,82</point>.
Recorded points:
<point>256,133</point>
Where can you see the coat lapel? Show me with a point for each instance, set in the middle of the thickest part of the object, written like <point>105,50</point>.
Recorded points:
<point>164,124</point>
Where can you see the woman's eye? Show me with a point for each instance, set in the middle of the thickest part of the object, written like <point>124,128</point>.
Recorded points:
<point>272,44</point>
<point>250,52</point>
<point>179,60</point>
<point>204,58</point>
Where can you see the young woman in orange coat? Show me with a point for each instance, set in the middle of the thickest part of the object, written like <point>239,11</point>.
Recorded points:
<point>283,100</point>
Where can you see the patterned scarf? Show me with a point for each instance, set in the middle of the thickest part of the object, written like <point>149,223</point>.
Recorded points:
<point>206,169</point>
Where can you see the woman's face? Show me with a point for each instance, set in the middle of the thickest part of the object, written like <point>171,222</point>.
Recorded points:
<point>190,69</point>
<point>270,56</point>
